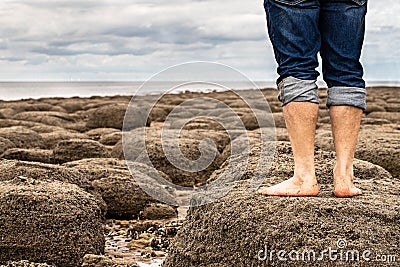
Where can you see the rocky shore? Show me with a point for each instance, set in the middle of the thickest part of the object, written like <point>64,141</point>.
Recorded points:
<point>68,198</point>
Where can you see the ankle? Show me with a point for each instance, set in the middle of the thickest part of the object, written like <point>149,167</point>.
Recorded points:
<point>305,177</point>
<point>343,171</point>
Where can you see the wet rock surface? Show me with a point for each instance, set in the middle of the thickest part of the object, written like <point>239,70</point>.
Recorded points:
<point>24,263</point>
<point>244,223</point>
<point>75,149</point>
<point>11,169</point>
<point>52,222</point>
<point>37,155</point>
<point>144,241</point>
<point>51,139</point>
<point>22,137</point>
<point>47,117</point>
<point>123,196</point>
<point>151,141</point>
<point>112,116</point>
<point>77,143</point>
<point>5,144</point>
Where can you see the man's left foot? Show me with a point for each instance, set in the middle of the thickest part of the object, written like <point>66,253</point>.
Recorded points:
<point>346,190</point>
<point>344,187</point>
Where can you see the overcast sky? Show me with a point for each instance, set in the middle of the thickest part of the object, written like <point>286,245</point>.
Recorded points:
<point>131,40</point>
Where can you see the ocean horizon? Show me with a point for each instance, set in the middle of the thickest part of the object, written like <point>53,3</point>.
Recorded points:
<point>34,90</point>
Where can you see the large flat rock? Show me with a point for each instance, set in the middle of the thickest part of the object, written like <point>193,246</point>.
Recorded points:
<point>53,222</point>
<point>233,230</point>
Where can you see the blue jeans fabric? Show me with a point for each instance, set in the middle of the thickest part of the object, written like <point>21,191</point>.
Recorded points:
<point>299,29</point>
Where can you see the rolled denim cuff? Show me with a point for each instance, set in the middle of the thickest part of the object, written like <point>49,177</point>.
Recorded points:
<point>292,89</point>
<point>347,96</point>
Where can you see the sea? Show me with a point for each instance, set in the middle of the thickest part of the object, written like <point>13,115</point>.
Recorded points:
<point>36,90</point>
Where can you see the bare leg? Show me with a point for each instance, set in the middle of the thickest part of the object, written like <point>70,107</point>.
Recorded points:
<point>345,126</point>
<point>301,119</point>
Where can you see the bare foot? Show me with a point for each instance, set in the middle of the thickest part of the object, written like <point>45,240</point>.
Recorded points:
<point>344,187</point>
<point>292,187</point>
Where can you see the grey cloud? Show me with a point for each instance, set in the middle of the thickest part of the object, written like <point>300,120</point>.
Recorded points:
<point>56,51</point>
<point>115,35</point>
<point>12,59</point>
<point>62,4</point>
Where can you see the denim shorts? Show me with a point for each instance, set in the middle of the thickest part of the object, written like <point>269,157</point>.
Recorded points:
<point>299,29</point>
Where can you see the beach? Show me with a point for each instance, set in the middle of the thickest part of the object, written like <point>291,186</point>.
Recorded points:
<point>70,196</point>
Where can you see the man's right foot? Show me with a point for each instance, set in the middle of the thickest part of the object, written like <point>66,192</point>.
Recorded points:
<point>292,187</point>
